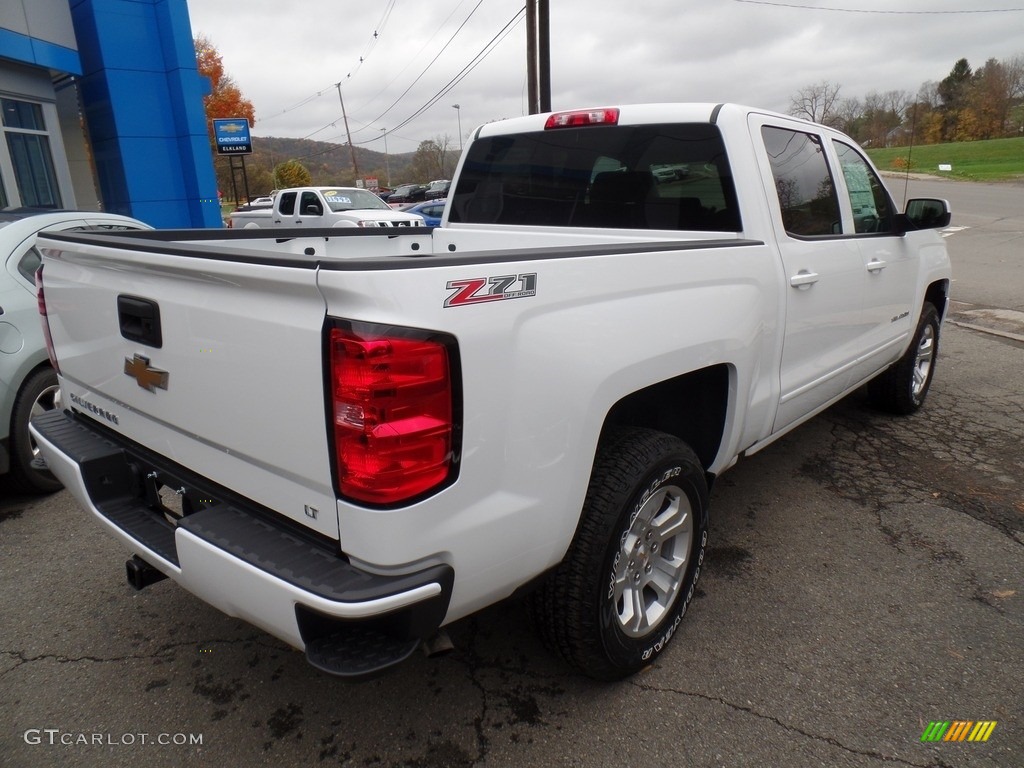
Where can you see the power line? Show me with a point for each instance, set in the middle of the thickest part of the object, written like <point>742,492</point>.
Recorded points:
<point>871,11</point>
<point>414,58</point>
<point>428,66</point>
<point>406,91</point>
<point>370,45</point>
<point>484,52</point>
<point>474,63</point>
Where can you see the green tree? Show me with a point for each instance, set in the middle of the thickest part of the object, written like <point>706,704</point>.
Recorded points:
<point>966,105</point>
<point>953,90</point>
<point>261,180</point>
<point>292,173</point>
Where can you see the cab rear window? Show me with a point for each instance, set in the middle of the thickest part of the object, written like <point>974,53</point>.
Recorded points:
<point>673,177</point>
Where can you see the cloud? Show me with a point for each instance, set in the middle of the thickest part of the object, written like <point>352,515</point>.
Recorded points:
<point>602,53</point>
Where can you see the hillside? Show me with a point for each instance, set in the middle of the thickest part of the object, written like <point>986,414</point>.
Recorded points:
<point>328,163</point>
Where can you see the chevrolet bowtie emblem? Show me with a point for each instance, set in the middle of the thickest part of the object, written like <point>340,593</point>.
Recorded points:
<point>147,377</point>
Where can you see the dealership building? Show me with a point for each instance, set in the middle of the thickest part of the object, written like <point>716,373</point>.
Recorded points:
<point>102,109</point>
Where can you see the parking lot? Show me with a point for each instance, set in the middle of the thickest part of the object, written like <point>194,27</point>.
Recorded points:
<point>865,578</point>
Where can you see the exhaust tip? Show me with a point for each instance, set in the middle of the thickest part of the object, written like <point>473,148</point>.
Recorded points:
<point>438,645</point>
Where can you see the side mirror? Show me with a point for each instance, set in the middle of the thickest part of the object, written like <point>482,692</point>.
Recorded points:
<point>924,213</point>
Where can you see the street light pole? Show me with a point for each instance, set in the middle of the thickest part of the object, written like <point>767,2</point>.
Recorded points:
<point>387,162</point>
<point>458,111</point>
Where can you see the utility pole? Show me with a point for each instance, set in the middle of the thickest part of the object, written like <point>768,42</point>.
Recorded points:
<point>351,146</point>
<point>533,106</point>
<point>544,55</point>
<point>387,162</point>
<point>538,55</point>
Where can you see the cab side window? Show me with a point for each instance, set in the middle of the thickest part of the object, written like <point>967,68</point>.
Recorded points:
<point>310,205</point>
<point>872,208</point>
<point>803,182</point>
<point>287,204</point>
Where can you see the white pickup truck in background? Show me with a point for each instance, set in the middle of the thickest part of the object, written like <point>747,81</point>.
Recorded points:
<point>315,207</point>
<point>351,438</point>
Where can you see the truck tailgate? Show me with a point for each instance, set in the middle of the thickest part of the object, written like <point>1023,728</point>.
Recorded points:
<point>213,364</point>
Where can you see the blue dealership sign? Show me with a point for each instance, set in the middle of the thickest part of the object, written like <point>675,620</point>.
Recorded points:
<point>232,136</point>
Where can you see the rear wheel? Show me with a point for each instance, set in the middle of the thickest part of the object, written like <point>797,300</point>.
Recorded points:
<point>39,393</point>
<point>902,388</point>
<point>615,602</point>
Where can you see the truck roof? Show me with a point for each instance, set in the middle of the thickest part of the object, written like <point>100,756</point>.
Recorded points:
<point>628,114</point>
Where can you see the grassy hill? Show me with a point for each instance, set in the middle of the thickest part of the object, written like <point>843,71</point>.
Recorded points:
<point>993,160</point>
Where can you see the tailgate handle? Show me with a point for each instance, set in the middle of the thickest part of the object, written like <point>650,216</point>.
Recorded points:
<point>139,320</point>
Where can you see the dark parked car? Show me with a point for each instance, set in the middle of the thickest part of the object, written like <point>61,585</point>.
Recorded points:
<point>438,189</point>
<point>408,193</point>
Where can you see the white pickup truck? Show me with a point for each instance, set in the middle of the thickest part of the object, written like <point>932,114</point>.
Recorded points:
<point>317,207</point>
<point>351,438</point>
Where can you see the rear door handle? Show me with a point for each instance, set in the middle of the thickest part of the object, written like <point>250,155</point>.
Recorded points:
<point>876,265</point>
<point>803,279</point>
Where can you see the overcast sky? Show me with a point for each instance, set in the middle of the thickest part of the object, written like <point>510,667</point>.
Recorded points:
<point>395,58</point>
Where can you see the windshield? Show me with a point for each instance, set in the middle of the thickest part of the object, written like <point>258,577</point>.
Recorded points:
<point>353,200</point>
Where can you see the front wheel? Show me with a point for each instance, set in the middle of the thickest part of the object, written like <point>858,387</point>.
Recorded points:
<point>902,388</point>
<point>616,600</point>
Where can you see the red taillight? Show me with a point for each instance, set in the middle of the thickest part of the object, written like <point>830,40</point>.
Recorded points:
<point>582,117</point>
<point>41,302</point>
<point>393,414</point>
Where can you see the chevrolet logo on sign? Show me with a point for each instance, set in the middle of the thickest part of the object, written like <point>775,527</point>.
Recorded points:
<point>147,377</point>
<point>232,136</point>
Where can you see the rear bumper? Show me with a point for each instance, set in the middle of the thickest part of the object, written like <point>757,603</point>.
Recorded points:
<point>241,558</point>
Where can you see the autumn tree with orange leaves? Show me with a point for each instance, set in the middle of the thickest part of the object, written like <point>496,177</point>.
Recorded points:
<point>225,100</point>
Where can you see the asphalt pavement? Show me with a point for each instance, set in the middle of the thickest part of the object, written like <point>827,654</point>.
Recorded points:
<point>865,579</point>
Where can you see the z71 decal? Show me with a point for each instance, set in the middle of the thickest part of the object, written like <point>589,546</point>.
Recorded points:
<point>477,290</point>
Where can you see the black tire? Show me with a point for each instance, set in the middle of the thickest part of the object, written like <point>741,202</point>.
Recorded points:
<point>902,388</point>
<point>38,393</point>
<point>639,545</point>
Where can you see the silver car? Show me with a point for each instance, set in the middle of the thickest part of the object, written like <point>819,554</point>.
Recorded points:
<point>28,383</point>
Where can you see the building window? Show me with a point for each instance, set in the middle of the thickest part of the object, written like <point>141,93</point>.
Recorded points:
<point>29,147</point>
